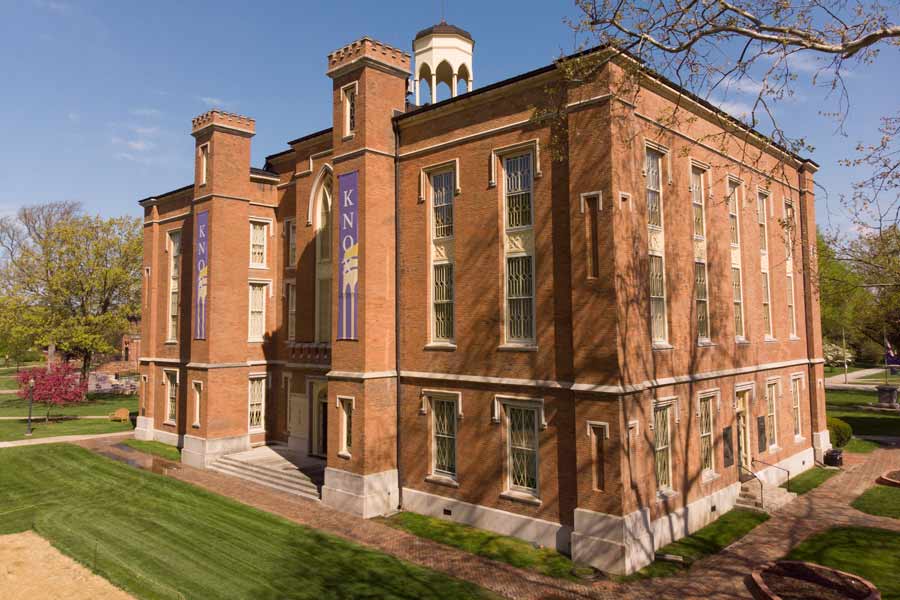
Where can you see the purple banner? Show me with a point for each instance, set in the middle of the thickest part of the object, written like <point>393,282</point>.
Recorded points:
<point>201,258</point>
<point>348,234</point>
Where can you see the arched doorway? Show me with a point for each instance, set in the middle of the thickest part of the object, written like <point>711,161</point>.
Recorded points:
<point>323,224</point>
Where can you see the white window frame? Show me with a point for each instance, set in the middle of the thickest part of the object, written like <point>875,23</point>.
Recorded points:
<point>267,226</point>
<point>701,339</point>
<point>343,403</point>
<point>509,340</point>
<point>454,399</point>
<point>789,222</point>
<point>737,187</point>
<point>197,388</point>
<point>712,396</point>
<point>504,161</point>
<point>261,428</point>
<point>703,171</point>
<point>203,149</point>
<point>266,284</point>
<point>174,285</point>
<point>796,404</point>
<point>772,413</point>
<point>596,431</point>
<point>290,234</point>
<point>513,490</point>
<point>769,329</point>
<point>659,154</point>
<point>324,264</point>
<point>451,339</point>
<point>171,395</point>
<point>664,340</point>
<point>737,304</point>
<point>349,93</point>
<point>792,309</point>
<point>668,404</point>
<point>762,201</point>
<point>447,169</point>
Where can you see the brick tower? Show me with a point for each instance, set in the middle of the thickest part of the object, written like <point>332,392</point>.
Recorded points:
<point>369,83</point>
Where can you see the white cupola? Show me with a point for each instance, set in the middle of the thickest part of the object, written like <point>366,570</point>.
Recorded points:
<point>443,54</point>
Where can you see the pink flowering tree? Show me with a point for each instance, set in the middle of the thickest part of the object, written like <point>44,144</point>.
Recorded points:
<point>57,385</point>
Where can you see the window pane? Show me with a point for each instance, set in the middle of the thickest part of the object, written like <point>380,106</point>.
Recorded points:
<point>701,296</point>
<point>733,212</point>
<point>257,243</point>
<point>523,447</point>
<point>657,298</point>
<point>444,436</point>
<point>662,456</point>
<point>738,299</point>
<point>518,191</point>
<point>443,301</point>
<point>652,160</point>
<point>761,218</point>
<point>257,397</point>
<point>442,201</point>
<point>697,199</point>
<point>519,294</point>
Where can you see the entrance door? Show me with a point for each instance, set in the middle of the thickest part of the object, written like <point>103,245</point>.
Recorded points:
<point>320,418</point>
<point>743,433</point>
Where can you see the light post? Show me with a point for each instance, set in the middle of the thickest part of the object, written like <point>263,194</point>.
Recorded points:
<point>30,402</point>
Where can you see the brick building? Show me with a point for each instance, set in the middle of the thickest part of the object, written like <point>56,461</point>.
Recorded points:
<point>583,331</point>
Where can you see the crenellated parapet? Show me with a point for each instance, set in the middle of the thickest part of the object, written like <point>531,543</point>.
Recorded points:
<point>367,49</point>
<point>222,119</point>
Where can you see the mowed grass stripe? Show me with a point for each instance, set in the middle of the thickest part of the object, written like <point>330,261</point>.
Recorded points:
<point>160,538</point>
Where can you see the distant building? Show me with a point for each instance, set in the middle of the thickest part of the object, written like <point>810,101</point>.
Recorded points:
<point>588,353</point>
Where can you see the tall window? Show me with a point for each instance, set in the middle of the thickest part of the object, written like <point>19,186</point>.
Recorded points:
<point>323,261</point>
<point>291,299</point>
<point>522,424</point>
<point>697,201</point>
<point>766,302</point>
<point>443,301</point>
<point>706,428</point>
<point>761,200</point>
<point>701,295</point>
<point>257,320</point>
<point>652,162</point>
<point>198,393</point>
<point>520,298</point>
<point>349,109</point>
<point>771,405</point>
<point>204,163</point>
<point>788,230</point>
<point>795,404</point>
<point>733,223</point>
<point>258,244</point>
<point>791,314</point>
<point>518,191</point>
<point>738,301</point>
<point>174,281</point>
<point>171,396</point>
<point>658,323</point>
<point>257,403</point>
<point>662,449</point>
<point>346,425</point>
<point>444,413</point>
<point>291,231</point>
<point>598,437</point>
<point>593,235</point>
<point>442,203</point>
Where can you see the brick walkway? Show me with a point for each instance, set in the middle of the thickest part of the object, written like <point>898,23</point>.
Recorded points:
<point>718,577</point>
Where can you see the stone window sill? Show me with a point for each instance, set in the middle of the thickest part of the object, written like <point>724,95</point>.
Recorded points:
<point>442,480</point>
<point>709,476</point>
<point>706,343</point>
<point>798,439</point>
<point>445,346</point>
<point>517,348</point>
<point>170,342</point>
<point>664,495</point>
<point>170,423</point>
<point>256,431</point>
<point>345,455</point>
<point>795,338</point>
<point>741,341</point>
<point>348,137</point>
<point>195,426</point>
<point>769,339</point>
<point>662,346</point>
<point>523,497</point>
<point>774,449</point>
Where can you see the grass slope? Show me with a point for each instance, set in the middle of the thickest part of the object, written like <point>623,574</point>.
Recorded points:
<point>859,446</point>
<point>488,544</point>
<point>810,480</point>
<point>96,405</point>
<point>155,448</point>
<point>873,554</point>
<point>841,398</point>
<point>159,538</point>
<point>869,422</point>
<point>11,431</point>
<point>711,539</point>
<point>9,383</point>
<point>880,500</point>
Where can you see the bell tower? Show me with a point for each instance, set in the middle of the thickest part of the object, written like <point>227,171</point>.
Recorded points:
<point>443,54</point>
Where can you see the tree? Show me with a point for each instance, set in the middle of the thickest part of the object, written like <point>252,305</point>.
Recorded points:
<point>57,385</point>
<point>73,280</point>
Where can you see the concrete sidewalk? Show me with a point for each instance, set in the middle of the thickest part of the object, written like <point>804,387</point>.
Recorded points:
<point>836,382</point>
<point>122,435</point>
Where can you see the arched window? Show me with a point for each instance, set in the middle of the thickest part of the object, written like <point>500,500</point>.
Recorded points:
<point>323,259</point>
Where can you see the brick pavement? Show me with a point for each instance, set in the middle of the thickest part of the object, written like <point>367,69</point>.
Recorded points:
<point>718,577</point>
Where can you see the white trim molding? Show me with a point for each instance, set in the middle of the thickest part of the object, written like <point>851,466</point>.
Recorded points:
<point>498,153</point>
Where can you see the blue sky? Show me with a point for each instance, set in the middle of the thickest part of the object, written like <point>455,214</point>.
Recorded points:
<point>97,97</point>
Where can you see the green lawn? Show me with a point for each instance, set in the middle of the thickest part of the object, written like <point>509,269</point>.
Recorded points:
<point>9,383</point>
<point>159,538</point>
<point>878,379</point>
<point>713,538</point>
<point>873,554</point>
<point>96,405</point>
<point>848,398</point>
<point>12,369</point>
<point>11,431</point>
<point>155,448</point>
<point>832,371</point>
<point>880,500</point>
<point>491,545</point>
<point>859,446</point>
<point>866,422</point>
<point>810,480</point>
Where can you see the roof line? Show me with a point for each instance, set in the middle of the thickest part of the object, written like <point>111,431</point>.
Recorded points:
<point>169,193</point>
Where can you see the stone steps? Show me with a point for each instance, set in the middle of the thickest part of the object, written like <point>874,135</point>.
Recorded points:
<point>772,498</point>
<point>290,481</point>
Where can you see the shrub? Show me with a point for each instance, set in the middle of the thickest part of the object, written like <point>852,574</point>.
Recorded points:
<point>840,432</point>
<point>57,384</point>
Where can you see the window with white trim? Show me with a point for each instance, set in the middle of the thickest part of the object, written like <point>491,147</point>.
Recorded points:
<point>349,109</point>
<point>522,431</point>
<point>346,405</point>
<point>788,230</point>
<point>171,396</point>
<point>323,261</point>
<point>444,412</point>
<point>771,413</point>
<point>701,298</point>
<point>707,456</point>
<point>258,232</point>
<point>592,205</point>
<point>442,190</point>
<point>291,300</point>
<point>519,263</point>
<point>520,298</point>
<point>443,301</point>
<point>733,205</point>
<point>290,229</point>
<point>198,393</point>
<point>204,163</point>
<point>174,247</point>
<point>795,405</point>
<point>257,403</point>
<point>257,320</point>
<point>738,301</point>
<point>761,201</point>
<point>598,455</point>
<point>658,318</point>
<point>792,316</point>
<point>766,305</point>
<point>652,167</point>
<point>697,201</point>
<point>518,190</point>
<point>662,448</point>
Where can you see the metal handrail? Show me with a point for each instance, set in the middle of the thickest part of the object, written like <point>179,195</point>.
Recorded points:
<point>752,460</point>
<point>762,499</point>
